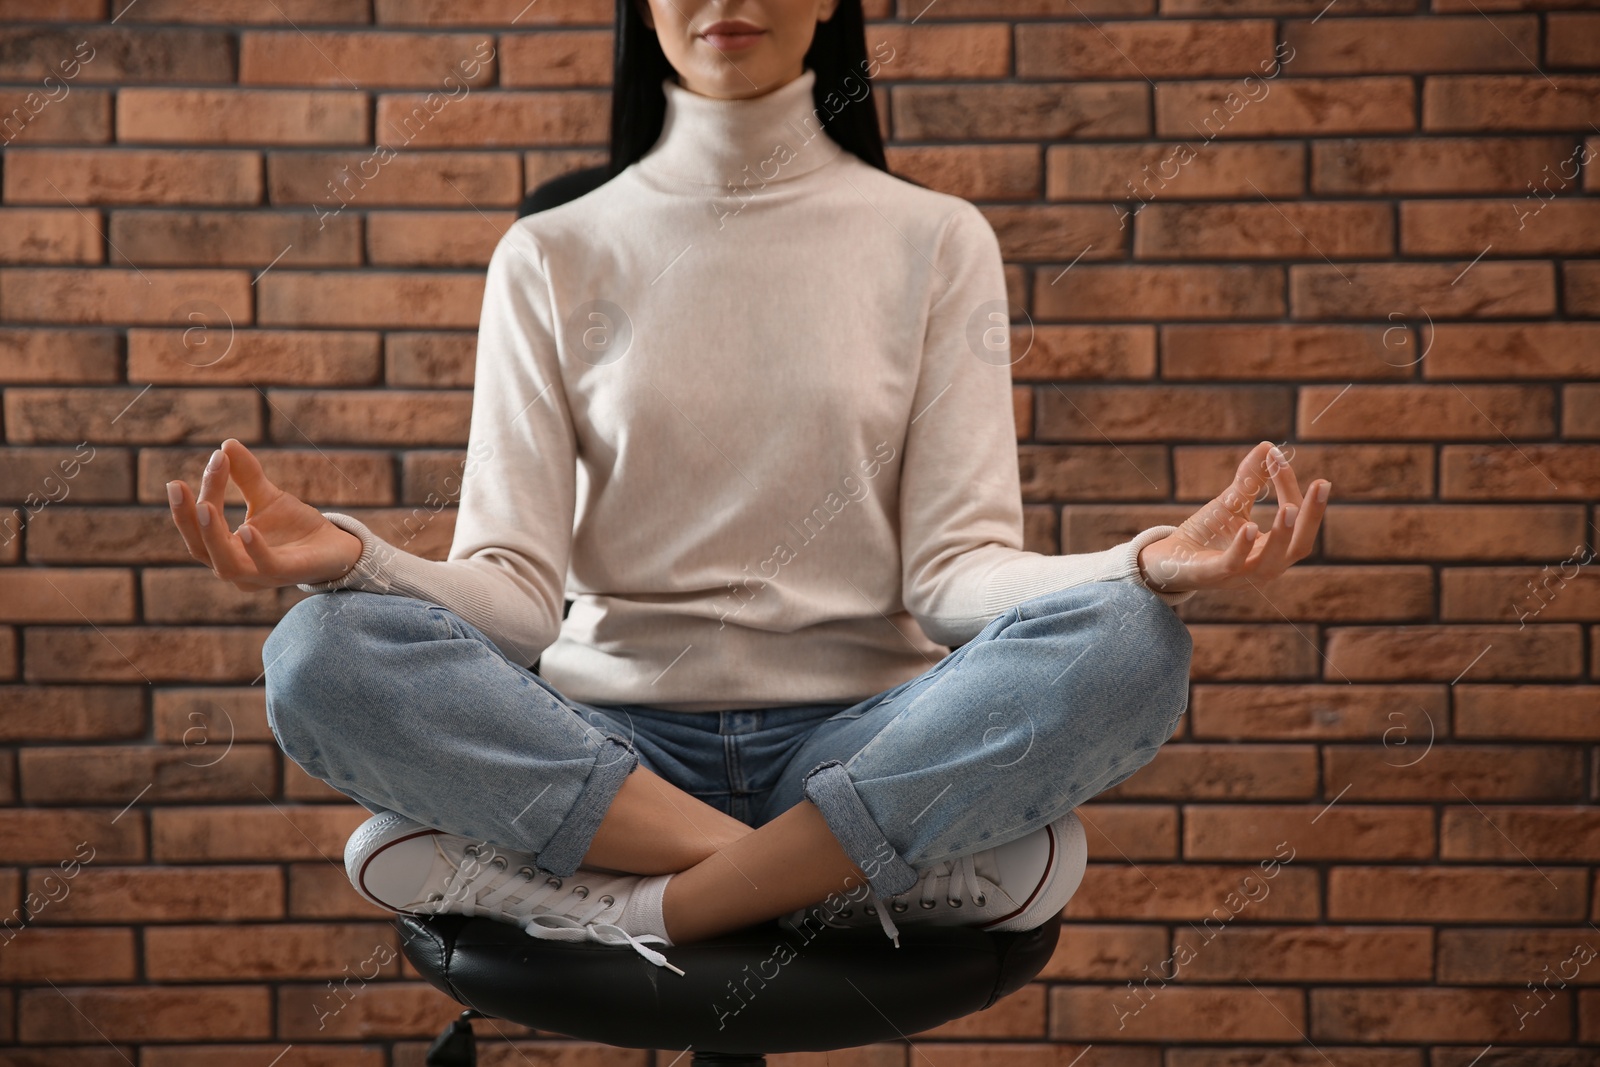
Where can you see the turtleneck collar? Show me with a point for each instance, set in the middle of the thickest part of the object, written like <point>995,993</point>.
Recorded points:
<point>746,144</point>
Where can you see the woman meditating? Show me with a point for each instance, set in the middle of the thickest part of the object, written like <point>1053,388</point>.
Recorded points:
<point>747,405</point>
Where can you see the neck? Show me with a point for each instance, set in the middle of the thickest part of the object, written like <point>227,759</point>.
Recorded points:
<point>748,143</point>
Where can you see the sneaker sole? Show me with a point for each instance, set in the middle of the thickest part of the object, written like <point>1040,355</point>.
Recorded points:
<point>1069,856</point>
<point>370,841</point>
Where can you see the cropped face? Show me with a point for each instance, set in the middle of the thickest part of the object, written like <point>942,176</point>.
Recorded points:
<point>735,48</point>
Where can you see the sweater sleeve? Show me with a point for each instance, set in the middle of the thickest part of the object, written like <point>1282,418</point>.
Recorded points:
<point>960,492</point>
<point>506,569</point>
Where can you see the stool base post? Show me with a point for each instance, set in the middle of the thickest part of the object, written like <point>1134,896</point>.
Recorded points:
<point>727,1059</point>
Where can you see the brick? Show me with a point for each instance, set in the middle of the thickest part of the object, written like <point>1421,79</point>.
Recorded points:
<point>1088,472</point>
<point>144,1014</point>
<point>1514,350</point>
<point>29,117</point>
<point>1535,834</point>
<point>370,299</point>
<point>1281,7</point>
<point>320,890</point>
<point>1447,772</point>
<point>432,477</point>
<point>1225,652</point>
<point>1262,231</point>
<point>1441,290</point>
<point>132,176</point>
<point>430,359</point>
<point>1040,529</point>
<point>263,1055</point>
<point>56,355</point>
<point>106,774</point>
<point>583,58</point>
<point>1172,1012</point>
<point>1317,712</point>
<point>434,239</point>
<point>1175,170</point>
<point>1521,594</point>
<point>333,180</point>
<point>302,12</point>
<point>98,594</point>
<point>1326,594</point>
<point>267,834</point>
<point>1581,411</point>
<point>89,955</point>
<point>115,54</point>
<point>1581,288</point>
<point>235,116</point>
<point>327,476</point>
<point>106,535</point>
<point>83,474</point>
<point>966,9</point>
<point>1054,353</point>
<point>1089,952</point>
<point>256,357</point>
<point>69,295</point>
<point>1053,111</point>
<point>148,653</point>
<point>504,117</point>
<point>376,1009</point>
<point>232,239</point>
<point>1520,227</point>
<point>1412,45</point>
<point>1437,1015</point>
<point>1320,831</point>
<point>1183,771</point>
<point>38,835</point>
<point>60,712</point>
<point>1456,894</point>
<point>393,417</point>
<point>1550,959</point>
<point>1481,533</point>
<point>47,235</point>
<point>1443,653</point>
<point>74,10</point>
<point>131,416</point>
<point>276,950</point>
<point>1574,40</point>
<point>1525,103</point>
<point>1305,107</point>
<point>165,894</point>
<point>446,63</point>
<point>1022,1014</point>
<point>1360,471</point>
<point>216,714</point>
<point>1501,472</point>
<point>1306,954</point>
<point>972,172</point>
<point>1299,1056</point>
<point>1534,712</point>
<point>1426,412</point>
<point>1130,831</point>
<point>1103,292</point>
<point>195,595</point>
<point>1194,891</point>
<point>1130,49</point>
<point>1433,165</point>
<point>1342,353</point>
<point>1046,232</point>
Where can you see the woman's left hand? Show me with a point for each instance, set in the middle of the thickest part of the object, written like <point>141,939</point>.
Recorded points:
<point>1218,547</point>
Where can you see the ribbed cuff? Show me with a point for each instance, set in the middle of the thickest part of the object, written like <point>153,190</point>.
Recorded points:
<point>1013,585</point>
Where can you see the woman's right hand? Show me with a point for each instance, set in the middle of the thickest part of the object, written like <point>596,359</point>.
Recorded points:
<point>282,541</point>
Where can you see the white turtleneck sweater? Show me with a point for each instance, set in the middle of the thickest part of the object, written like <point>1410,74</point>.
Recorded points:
<point>748,405</point>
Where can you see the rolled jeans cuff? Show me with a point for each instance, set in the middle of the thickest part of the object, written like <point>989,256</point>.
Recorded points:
<point>828,786</point>
<point>566,848</point>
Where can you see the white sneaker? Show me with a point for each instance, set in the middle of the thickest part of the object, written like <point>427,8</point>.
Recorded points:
<point>1019,885</point>
<point>404,866</point>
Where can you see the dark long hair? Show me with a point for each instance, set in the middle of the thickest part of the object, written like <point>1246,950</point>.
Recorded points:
<point>838,54</point>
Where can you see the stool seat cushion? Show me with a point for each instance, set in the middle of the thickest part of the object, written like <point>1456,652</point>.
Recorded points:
<point>766,988</point>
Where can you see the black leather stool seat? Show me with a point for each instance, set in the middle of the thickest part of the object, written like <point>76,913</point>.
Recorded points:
<point>767,988</point>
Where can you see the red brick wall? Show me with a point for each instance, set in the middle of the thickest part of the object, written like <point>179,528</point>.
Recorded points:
<point>1381,250</point>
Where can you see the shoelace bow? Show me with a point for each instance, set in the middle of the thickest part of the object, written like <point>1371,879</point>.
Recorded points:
<point>944,871</point>
<point>493,892</point>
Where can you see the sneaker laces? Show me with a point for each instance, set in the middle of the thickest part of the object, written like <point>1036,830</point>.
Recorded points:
<point>944,872</point>
<point>548,907</point>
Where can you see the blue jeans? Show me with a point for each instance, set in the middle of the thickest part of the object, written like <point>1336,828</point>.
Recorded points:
<point>403,706</point>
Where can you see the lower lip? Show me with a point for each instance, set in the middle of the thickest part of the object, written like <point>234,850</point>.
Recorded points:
<point>731,42</point>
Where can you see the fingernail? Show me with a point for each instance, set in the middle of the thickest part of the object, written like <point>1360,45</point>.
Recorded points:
<point>1325,491</point>
<point>216,458</point>
<point>1290,513</point>
<point>245,535</point>
<point>1276,453</point>
<point>174,494</point>
<point>204,514</point>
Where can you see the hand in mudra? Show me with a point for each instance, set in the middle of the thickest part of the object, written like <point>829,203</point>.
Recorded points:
<point>1219,547</point>
<point>282,541</point>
